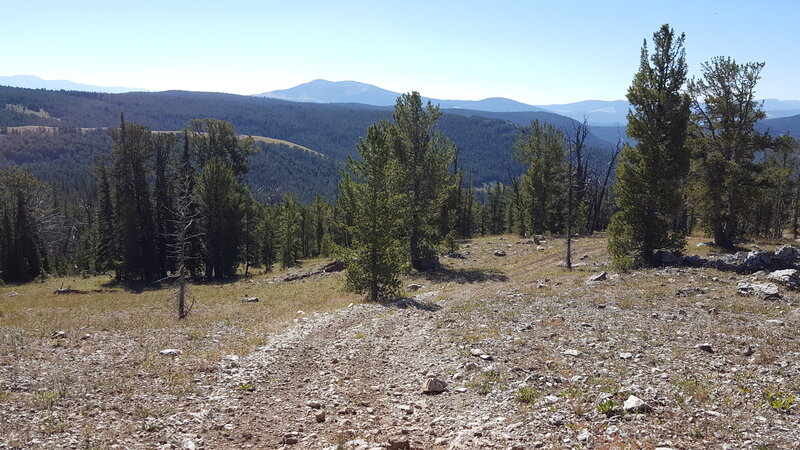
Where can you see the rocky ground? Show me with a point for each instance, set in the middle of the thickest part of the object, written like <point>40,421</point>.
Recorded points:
<point>533,356</point>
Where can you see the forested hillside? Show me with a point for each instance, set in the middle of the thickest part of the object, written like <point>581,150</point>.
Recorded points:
<point>483,139</point>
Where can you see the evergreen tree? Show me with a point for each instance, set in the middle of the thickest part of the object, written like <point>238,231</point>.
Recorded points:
<point>163,148</point>
<point>135,226</point>
<point>543,148</point>
<point>423,156</point>
<point>724,145</point>
<point>25,261</point>
<point>651,173</point>
<point>290,232</point>
<point>268,232</point>
<point>220,198</point>
<point>376,256</point>
<point>106,253</point>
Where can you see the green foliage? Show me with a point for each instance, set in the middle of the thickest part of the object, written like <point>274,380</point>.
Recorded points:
<point>423,156</point>
<point>543,148</point>
<point>376,256</point>
<point>221,200</point>
<point>290,231</point>
<point>779,401</point>
<point>609,408</point>
<point>527,395</point>
<point>650,175</point>
<point>724,146</point>
<point>135,228</point>
<point>29,226</point>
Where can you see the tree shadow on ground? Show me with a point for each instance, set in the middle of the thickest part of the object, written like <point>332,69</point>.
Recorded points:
<point>138,287</point>
<point>405,303</point>
<point>446,274</point>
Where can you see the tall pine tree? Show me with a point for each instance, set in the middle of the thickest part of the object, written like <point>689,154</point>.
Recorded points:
<point>650,174</point>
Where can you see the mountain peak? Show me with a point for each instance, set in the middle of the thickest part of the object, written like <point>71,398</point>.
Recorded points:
<point>34,82</point>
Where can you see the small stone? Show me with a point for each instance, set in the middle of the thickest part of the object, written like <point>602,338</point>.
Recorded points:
<point>170,352</point>
<point>776,322</point>
<point>499,253</point>
<point>584,435</point>
<point>399,443</point>
<point>476,352</point>
<point>313,404</point>
<point>705,347</point>
<point>434,386</point>
<point>461,390</point>
<point>636,405</point>
<point>550,399</point>
<point>188,444</point>
<point>486,357</point>
<point>748,352</point>
<point>413,287</point>
<point>289,438</point>
<point>626,355</point>
<point>602,276</point>
<point>406,409</point>
<point>571,352</point>
<point>250,300</point>
<point>320,416</point>
<point>86,336</point>
<point>59,335</point>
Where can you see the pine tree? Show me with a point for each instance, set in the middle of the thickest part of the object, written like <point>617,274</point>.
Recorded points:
<point>135,226</point>
<point>220,198</point>
<point>650,174</point>
<point>543,148</point>
<point>290,231</point>
<point>423,156</point>
<point>106,253</point>
<point>724,145</point>
<point>376,256</point>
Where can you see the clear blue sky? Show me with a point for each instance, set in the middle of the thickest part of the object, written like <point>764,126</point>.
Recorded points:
<point>532,51</point>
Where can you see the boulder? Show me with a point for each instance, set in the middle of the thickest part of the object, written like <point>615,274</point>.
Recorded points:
<point>434,386</point>
<point>693,261</point>
<point>786,255</point>
<point>788,277</point>
<point>636,405</point>
<point>767,291</point>
<point>757,260</point>
<point>734,260</point>
<point>602,276</point>
<point>665,258</point>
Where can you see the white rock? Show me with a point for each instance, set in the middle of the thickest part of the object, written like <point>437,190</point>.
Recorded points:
<point>170,352</point>
<point>59,335</point>
<point>602,276</point>
<point>571,352</point>
<point>634,404</point>
<point>626,355</point>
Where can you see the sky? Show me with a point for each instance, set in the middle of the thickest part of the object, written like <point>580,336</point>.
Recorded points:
<point>532,51</point>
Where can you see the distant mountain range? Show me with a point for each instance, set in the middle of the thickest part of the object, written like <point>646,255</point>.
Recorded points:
<point>597,112</point>
<point>33,82</point>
